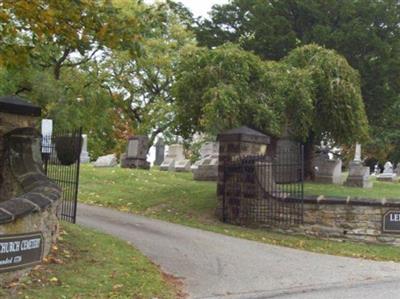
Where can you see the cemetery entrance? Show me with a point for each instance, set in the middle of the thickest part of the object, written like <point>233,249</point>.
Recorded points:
<point>61,157</point>
<point>265,190</point>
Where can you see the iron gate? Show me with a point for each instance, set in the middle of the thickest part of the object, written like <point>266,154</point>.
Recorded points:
<point>265,190</point>
<point>61,159</point>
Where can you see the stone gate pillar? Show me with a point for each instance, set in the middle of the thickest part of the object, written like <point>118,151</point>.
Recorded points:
<point>29,201</point>
<point>233,144</point>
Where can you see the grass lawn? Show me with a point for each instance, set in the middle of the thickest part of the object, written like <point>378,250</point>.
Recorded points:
<point>88,264</point>
<point>380,190</point>
<point>177,198</point>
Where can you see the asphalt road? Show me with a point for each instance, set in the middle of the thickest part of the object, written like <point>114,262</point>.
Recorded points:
<point>217,266</point>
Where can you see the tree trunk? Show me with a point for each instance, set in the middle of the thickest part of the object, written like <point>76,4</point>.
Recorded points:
<point>309,172</point>
<point>272,147</point>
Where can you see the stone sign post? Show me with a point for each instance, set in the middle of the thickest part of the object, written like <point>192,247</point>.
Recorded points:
<point>391,222</point>
<point>20,251</point>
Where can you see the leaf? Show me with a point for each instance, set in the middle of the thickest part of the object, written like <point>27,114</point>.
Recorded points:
<point>117,286</point>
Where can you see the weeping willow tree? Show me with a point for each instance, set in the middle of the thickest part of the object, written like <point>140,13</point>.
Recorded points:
<point>338,112</point>
<point>313,94</point>
<point>228,87</point>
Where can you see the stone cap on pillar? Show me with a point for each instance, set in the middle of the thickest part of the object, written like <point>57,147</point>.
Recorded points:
<point>244,134</point>
<point>16,105</point>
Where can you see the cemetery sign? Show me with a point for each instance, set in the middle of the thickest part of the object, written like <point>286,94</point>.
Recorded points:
<point>391,222</point>
<point>20,251</point>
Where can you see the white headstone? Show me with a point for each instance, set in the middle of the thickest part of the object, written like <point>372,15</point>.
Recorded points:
<point>85,158</point>
<point>377,170</point>
<point>106,161</point>
<point>196,165</point>
<point>387,174</point>
<point>182,165</point>
<point>47,131</point>
<point>357,156</point>
<point>175,151</point>
<point>175,159</point>
<point>209,149</point>
<point>388,167</point>
<point>206,169</point>
<point>167,164</point>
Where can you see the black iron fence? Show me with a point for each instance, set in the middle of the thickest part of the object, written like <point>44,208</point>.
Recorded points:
<point>61,159</point>
<point>265,190</point>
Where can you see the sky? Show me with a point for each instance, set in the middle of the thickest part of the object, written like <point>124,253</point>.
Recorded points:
<point>198,7</point>
<point>201,7</point>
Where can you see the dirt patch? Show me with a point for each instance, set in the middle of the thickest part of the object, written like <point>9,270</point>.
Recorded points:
<point>177,283</point>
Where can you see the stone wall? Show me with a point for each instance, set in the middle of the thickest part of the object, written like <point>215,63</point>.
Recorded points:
<point>348,219</point>
<point>245,197</point>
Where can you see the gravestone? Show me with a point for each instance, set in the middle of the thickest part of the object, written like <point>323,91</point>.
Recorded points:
<point>175,159</point>
<point>167,164</point>
<point>287,149</point>
<point>181,166</point>
<point>357,155</point>
<point>106,161</point>
<point>47,131</point>
<point>136,153</point>
<point>84,158</point>
<point>160,149</point>
<point>358,173</point>
<point>377,170</point>
<point>328,171</point>
<point>206,168</point>
<point>209,149</point>
<point>398,169</point>
<point>387,175</point>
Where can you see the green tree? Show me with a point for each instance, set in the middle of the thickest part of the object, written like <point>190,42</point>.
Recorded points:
<point>338,114</point>
<point>49,54</point>
<point>365,32</point>
<point>223,88</point>
<point>313,94</point>
<point>141,85</point>
<point>61,33</point>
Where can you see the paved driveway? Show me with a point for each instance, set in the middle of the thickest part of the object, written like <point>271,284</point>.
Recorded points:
<point>217,266</point>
